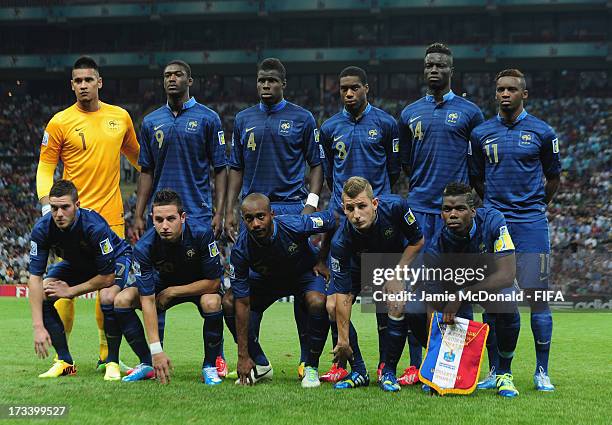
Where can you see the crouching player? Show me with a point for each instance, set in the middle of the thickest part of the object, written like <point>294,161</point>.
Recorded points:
<point>176,261</point>
<point>272,258</point>
<point>483,232</point>
<point>94,258</point>
<point>377,225</point>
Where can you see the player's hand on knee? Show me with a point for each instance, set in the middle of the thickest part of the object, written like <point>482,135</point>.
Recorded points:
<point>321,269</point>
<point>217,225</point>
<point>162,366</point>
<point>139,227</point>
<point>244,367</point>
<point>57,289</point>
<point>163,298</point>
<point>342,352</point>
<point>42,342</point>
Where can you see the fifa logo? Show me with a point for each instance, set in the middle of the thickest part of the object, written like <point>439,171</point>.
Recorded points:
<point>373,133</point>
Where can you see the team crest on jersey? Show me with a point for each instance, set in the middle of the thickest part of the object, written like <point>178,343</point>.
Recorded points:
<point>317,222</point>
<point>292,248</point>
<point>113,125</point>
<point>192,126</point>
<point>221,137</point>
<point>373,133</point>
<point>106,247</point>
<point>316,134</point>
<point>389,233</point>
<point>212,249</point>
<point>335,264</point>
<point>409,217</point>
<point>232,272</point>
<point>452,117</point>
<point>504,241</point>
<point>33,248</point>
<point>555,143</point>
<point>482,248</point>
<point>395,144</point>
<point>190,253</point>
<point>284,127</point>
<point>525,138</point>
<point>45,139</point>
<point>136,268</point>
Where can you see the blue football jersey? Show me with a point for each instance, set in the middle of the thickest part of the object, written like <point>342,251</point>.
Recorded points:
<point>89,244</point>
<point>394,229</point>
<point>181,150</point>
<point>434,140</point>
<point>368,148</point>
<point>286,256</point>
<point>159,264</point>
<point>512,160</point>
<point>489,234</point>
<point>272,147</point>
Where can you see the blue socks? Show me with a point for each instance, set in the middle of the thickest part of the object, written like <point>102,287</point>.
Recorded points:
<point>416,351</point>
<point>542,326</point>
<point>381,326</point>
<point>396,339</point>
<point>55,327</point>
<point>212,332</point>
<point>112,329</point>
<point>301,320</point>
<point>492,353</point>
<point>255,350</point>
<point>357,364</point>
<point>134,333</point>
<point>318,325</point>
<point>507,326</point>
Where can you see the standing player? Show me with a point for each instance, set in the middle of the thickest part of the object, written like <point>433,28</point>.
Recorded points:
<point>176,261</point>
<point>361,140</point>
<point>378,225</point>
<point>434,137</point>
<point>472,231</point>
<point>515,168</point>
<point>88,137</point>
<point>272,259</point>
<point>180,142</point>
<point>271,144</point>
<point>94,258</point>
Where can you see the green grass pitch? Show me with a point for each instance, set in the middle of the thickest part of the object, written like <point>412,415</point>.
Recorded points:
<point>581,369</point>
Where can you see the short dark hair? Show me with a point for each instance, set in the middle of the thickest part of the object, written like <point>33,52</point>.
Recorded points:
<point>63,188</point>
<point>438,48</point>
<point>512,72</point>
<point>85,62</point>
<point>354,71</point>
<point>180,63</point>
<point>273,64</point>
<point>459,189</point>
<point>168,197</point>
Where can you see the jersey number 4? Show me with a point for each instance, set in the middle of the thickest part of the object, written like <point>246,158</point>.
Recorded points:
<point>251,142</point>
<point>417,131</point>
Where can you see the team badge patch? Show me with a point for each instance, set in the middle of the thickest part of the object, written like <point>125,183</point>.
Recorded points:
<point>395,144</point>
<point>317,222</point>
<point>292,248</point>
<point>45,139</point>
<point>221,137</point>
<point>190,253</point>
<point>106,247</point>
<point>321,152</point>
<point>555,143</point>
<point>335,264</point>
<point>113,125</point>
<point>284,127</point>
<point>504,241</point>
<point>192,126</point>
<point>212,249</point>
<point>525,138</point>
<point>136,268</point>
<point>316,134</point>
<point>232,272</point>
<point>409,217</point>
<point>452,117</point>
<point>33,248</point>
<point>372,133</point>
<point>389,233</point>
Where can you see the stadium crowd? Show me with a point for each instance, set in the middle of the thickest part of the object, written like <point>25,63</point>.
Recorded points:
<point>579,216</point>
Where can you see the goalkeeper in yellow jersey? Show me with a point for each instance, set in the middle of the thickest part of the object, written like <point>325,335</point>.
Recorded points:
<point>89,138</point>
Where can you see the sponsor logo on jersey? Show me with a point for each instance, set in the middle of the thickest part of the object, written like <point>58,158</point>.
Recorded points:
<point>555,143</point>
<point>221,137</point>
<point>33,248</point>
<point>395,144</point>
<point>317,222</point>
<point>452,117</point>
<point>336,138</point>
<point>284,127</point>
<point>413,119</point>
<point>157,127</point>
<point>212,249</point>
<point>45,139</point>
<point>192,126</point>
<point>409,217</point>
<point>335,264</point>
<point>504,241</point>
<point>106,247</point>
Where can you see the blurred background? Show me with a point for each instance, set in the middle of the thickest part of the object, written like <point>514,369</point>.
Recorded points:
<point>563,46</point>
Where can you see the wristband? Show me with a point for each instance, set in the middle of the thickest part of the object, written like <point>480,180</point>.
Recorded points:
<point>45,209</point>
<point>312,200</point>
<point>156,348</point>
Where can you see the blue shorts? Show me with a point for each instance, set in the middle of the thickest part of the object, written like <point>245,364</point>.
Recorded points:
<point>265,291</point>
<point>355,282</point>
<point>532,247</point>
<point>73,276</point>
<point>429,223</point>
